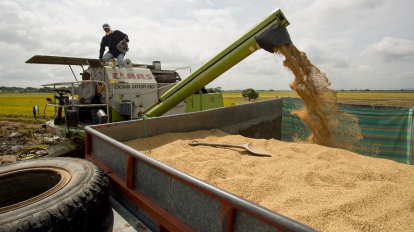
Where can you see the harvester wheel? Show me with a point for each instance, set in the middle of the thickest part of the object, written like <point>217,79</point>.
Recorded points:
<point>52,194</point>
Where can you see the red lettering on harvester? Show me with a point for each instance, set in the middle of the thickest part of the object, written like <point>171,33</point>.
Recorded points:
<point>131,76</point>
<point>149,77</point>
<point>140,76</point>
<point>115,75</point>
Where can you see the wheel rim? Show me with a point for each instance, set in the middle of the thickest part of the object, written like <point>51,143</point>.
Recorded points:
<point>27,186</point>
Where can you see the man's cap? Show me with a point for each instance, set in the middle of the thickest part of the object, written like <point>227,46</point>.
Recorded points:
<point>85,73</point>
<point>106,25</point>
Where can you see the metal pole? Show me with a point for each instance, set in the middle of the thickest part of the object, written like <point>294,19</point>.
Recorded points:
<point>183,68</point>
<point>130,89</point>
<point>91,70</point>
<point>54,99</point>
<point>107,100</point>
<point>73,73</point>
<point>73,98</point>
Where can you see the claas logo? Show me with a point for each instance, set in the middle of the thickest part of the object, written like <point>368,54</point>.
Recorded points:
<point>133,76</point>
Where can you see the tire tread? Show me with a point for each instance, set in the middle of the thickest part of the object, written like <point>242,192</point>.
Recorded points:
<point>78,212</point>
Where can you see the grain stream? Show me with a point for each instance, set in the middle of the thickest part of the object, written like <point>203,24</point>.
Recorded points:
<point>326,188</point>
<point>329,126</point>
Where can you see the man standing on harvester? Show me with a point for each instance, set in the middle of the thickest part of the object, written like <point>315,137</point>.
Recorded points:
<point>116,41</point>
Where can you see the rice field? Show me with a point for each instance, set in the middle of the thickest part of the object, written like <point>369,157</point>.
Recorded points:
<point>388,98</point>
<point>19,106</point>
<point>236,98</point>
<point>394,98</point>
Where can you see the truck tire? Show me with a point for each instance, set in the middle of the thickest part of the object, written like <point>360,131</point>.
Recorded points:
<point>52,194</point>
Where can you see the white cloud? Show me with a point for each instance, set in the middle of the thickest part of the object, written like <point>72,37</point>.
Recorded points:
<point>390,49</point>
<point>366,67</point>
<point>408,75</point>
<point>330,12</point>
<point>216,17</point>
<point>327,53</point>
<point>177,43</point>
<point>312,18</point>
<point>182,33</point>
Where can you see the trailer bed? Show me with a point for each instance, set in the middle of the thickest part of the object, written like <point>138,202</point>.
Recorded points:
<point>164,198</point>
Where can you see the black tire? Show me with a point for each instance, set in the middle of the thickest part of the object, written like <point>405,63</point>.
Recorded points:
<point>76,203</point>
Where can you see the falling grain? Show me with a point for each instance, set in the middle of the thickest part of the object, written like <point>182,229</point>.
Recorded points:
<point>329,126</point>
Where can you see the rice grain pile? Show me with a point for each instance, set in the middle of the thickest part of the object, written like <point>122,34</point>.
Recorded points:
<point>326,188</point>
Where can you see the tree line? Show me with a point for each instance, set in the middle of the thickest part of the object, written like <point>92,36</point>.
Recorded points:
<point>5,89</point>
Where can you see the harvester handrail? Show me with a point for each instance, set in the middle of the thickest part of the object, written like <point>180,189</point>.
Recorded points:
<point>72,105</point>
<point>82,105</point>
<point>70,83</point>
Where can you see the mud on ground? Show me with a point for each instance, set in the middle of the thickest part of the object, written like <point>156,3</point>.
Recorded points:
<point>16,137</point>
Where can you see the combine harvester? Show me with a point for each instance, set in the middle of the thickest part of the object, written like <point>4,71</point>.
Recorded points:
<point>146,90</point>
<point>116,99</point>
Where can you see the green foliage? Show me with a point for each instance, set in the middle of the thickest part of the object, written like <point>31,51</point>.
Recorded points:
<point>210,90</point>
<point>250,94</point>
<point>5,89</point>
<point>214,90</point>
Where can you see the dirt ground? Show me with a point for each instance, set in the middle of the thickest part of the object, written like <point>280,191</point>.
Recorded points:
<point>17,137</point>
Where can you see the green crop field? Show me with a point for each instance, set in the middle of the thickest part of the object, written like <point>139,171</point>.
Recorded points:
<point>394,98</point>
<point>389,98</point>
<point>19,106</point>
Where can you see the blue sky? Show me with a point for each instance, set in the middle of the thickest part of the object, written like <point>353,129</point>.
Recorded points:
<point>363,44</point>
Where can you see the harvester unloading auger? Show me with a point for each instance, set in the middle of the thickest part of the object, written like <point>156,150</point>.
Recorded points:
<point>268,33</point>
